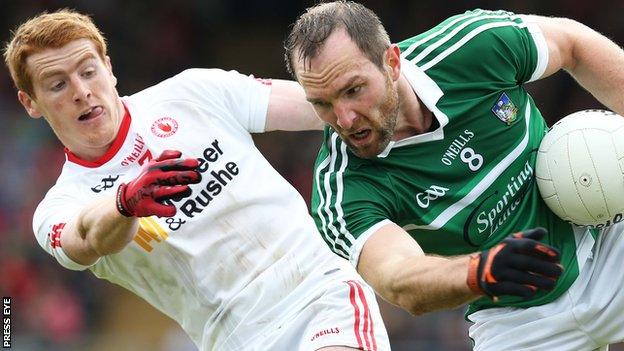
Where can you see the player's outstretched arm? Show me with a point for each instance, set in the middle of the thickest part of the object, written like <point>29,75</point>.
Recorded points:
<point>395,265</point>
<point>289,110</point>
<point>108,224</point>
<point>595,61</point>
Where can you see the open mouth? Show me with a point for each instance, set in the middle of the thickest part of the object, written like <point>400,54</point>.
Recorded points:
<point>91,113</point>
<point>361,135</point>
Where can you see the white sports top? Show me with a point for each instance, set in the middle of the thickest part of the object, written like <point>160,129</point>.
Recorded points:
<point>227,264</point>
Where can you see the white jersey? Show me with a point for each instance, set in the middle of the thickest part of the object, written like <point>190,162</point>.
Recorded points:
<point>241,255</point>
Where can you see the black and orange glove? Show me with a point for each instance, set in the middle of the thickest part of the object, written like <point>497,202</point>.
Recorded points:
<point>163,178</point>
<point>518,266</point>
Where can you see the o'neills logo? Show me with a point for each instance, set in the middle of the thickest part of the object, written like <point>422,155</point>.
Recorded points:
<point>164,127</point>
<point>139,152</point>
<point>325,332</point>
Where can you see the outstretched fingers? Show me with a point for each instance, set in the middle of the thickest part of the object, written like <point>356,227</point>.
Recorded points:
<point>178,164</point>
<point>168,154</point>
<point>162,193</point>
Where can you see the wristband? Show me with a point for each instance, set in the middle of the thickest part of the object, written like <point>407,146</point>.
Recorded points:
<point>473,274</point>
<point>119,201</point>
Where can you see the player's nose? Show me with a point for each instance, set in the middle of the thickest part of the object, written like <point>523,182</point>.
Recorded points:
<point>81,90</point>
<point>345,116</point>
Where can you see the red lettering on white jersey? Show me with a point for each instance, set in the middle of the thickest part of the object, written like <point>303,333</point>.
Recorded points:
<point>137,151</point>
<point>146,157</point>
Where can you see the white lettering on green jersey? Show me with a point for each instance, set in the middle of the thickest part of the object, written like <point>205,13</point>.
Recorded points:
<point>465,186</point>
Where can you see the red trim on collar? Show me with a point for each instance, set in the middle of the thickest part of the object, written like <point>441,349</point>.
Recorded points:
<point>112,150</point>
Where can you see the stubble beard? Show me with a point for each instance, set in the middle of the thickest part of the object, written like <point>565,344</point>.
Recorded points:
<point>383,128</point>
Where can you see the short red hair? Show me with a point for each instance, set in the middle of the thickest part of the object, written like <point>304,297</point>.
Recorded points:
<point>47,30</point>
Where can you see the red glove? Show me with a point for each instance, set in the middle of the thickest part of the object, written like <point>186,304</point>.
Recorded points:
<point>163,178</point>
<point>518,265</point>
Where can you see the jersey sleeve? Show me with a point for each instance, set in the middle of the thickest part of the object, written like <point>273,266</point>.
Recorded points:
<point>347,208</point>
<point>49,221</point>
<point>540,46</point>
<point>242,98</point>
<point>480,46</point>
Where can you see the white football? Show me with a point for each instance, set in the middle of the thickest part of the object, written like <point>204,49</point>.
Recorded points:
<point>580,168</point>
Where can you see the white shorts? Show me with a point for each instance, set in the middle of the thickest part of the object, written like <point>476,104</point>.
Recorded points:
<point>343,311</point>
<point>589,316</point>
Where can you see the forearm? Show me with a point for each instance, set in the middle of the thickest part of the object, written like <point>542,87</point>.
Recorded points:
<point>105,228</point>
<point>397,268</point>
<point>426,283</point>
<point>98,230</point>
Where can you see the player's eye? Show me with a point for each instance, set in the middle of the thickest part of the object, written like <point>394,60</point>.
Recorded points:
<point>320,104</point>
<point>88,73</point>
<point>354,90</point>
<point>57,86</point>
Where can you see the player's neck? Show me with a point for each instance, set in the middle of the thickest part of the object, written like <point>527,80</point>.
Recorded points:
<point>414,117</point>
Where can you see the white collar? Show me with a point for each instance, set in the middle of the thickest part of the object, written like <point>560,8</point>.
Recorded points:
<point>429,93</point>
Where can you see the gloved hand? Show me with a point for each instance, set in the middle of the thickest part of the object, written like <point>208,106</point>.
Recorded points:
<point>165,177</point>
<point>518,265</point>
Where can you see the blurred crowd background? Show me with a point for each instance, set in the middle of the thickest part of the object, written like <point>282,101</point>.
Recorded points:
<point>57,309</point>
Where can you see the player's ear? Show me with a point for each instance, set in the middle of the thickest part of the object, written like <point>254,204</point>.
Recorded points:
<point>30,105</point>
<point>109,66</point>
<point>393,61</point>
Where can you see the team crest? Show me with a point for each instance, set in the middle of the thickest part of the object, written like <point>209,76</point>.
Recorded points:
<point>164,127</point>
<point>505,110</point>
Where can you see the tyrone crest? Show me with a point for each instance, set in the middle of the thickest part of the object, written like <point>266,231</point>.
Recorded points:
<point>164,127</point>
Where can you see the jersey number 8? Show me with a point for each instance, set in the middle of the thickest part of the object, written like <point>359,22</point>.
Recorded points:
<point>471,158</point>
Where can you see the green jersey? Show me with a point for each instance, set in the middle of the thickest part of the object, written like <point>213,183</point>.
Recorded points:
<point>468,184</point>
